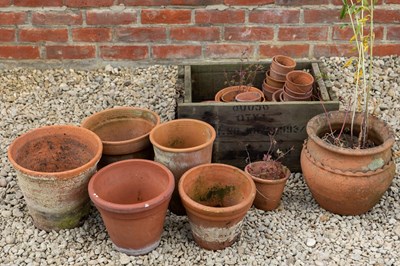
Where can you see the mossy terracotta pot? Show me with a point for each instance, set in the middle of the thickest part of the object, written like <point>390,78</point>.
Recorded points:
<point>344,180</point>
<point>54,165</point>
<point>180,145</point>
<point>217,198</point>
<point>132,197</point>
<point>269,192</point>
<point>228,94</point>
<point>124,132</point>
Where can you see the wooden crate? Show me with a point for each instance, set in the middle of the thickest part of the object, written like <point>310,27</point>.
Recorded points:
<point>244,128</point>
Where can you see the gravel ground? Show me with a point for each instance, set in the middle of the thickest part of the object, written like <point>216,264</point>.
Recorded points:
<point>298,233</point>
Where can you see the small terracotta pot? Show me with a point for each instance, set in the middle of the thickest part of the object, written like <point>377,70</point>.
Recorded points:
<point>282,64</point>
<point>289,98</point>
<point>269,192</point>
<point>274,82</point>
<point>299,81</point>
<point>180,145</point>
<point>268,90</point>
<point>228,94</point>
<point>217,198</point>
<point>132,197</point>
<point>249,96</point>
<point>296,93</point>
<point>276,75</point>
<point>54,165</point>
<point>124,132</point>
<point>276,96</point>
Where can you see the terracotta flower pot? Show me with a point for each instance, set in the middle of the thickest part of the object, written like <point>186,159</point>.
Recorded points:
<point>269,191</point>
<point>288,97</point>
<point>306,94</point>
<point>299,81</point>
<point>132,197</point>
<point>54,165</point>
<point>276,96</point>
<point>274,82</point>
<point>282,64</point>
<point>180,145</point>
<point>217,198</point>
<point>228,94</point>
<point>268,90</point>
<point>124,132</point>
<point>249,96</point>
<point>343,180</point>
<point>276,75</point>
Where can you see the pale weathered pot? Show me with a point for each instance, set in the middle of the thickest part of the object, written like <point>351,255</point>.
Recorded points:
<point>228,94</point>
<point>249,96</point>
<point>217,198</point>
<point>180,145</point>
<point>54,165</point>
<point>132,197</point>
<point>269,192</point>
<point>343,180</point>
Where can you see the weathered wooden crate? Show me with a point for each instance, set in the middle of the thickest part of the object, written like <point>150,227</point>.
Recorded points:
<point>243,128</point>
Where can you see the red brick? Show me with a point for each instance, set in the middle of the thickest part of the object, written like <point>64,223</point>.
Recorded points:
<point>218,17</point>
<point>144,2</point>
<point>7,35</point>
<point>301,2</point>
<point>169,2</point>
<point>176,52</point>
<point>248,2</point>
<point>91,34</point>
<point>303,33</point>
<point>229,50</point>
<point>333,50</point>
<point>326,15</point>
<point>39,35</point>
<point>392,1</point>
<point>393,32</point>
<point>249,33</point>
<point>386,49</point>
<point>196,2</point>
<point>292,50</point>
<point>274,16</point>
<point>346,33</point>
<point>38,3</point>
<point>135,52</point>
<point>19,52</point>
<point>4,3</point>
<point>141,34</point>
<point>70,52</point>
<point>110,17</point>
<point>340,2</point>
<point>166,16</point>
<point>195,34</point>
<point>12,18</point>
<point>387,15</point>
<point>89,3</point>
<point>57,18</point>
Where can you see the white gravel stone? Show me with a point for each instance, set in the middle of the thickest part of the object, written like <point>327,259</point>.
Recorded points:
<point>311,242</point>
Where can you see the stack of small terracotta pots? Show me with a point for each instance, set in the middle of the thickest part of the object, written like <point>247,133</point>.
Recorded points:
<point>276,75</point>
<point>298,86</point>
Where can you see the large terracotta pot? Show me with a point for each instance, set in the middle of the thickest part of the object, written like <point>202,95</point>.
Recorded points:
<point>132,197</point>
<point>269,191</point>
<point>180,145</point>
<point>124,132</point>
<point>54,165</point>
<point>343,180</point>
<point>217,198</point>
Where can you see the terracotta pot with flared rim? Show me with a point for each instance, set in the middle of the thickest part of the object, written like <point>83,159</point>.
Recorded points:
<point>180,145</point>
<point>132,197</point>
<point>54,165</point>
<point>343,180</point>
<point>273,82</point>
<point>228,94</point>
<point>276,96</point>
<point>269,192</point>
<point>268,90</point>
<point>249,96</point>
<point>298,94</point>
<point>217,198</point>
<point>283,64</point>
<point>289,98</point>
<point>299,81</point>
<point>276,75</point>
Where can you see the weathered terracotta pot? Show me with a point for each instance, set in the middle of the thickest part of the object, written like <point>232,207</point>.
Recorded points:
<point>299,81</point>
<point>217,198</point>
<point>276,75</point>
<point>282,64</point>
<point>268,90</point>
<point>249,96</point>
<point>274,82</point>
<point>276,96</point>
<point>124,132</point>
<point>269,192</point>
<point>54,165</point>
<point>228,94</point>
<point>180,145</point>
<point>289,95</point>
<point>343,180</point>
<point>132,197</point>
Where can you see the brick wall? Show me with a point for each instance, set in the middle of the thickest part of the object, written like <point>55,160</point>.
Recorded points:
<point>182,30</point>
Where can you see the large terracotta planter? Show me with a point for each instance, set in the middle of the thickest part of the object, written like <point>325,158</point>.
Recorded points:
<point>124,132</point>
<point>132,197</point>
<point>54,165</point>
<point>343,180</point>
<point>228,94</point>
<point>217,198</point>
<point>180,145</point>
<point>269,191</point>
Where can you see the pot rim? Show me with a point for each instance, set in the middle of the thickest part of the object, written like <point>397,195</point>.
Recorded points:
<point>218,95</point>
<point>301,72</point>
<point>218,211</point>
<point>135,207</point>
<point>210,141</point>
<point>52,129</point>
<point>293,65</point>
<point>321,118</point>
<point>122,108</point>
<point>268,181</point>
